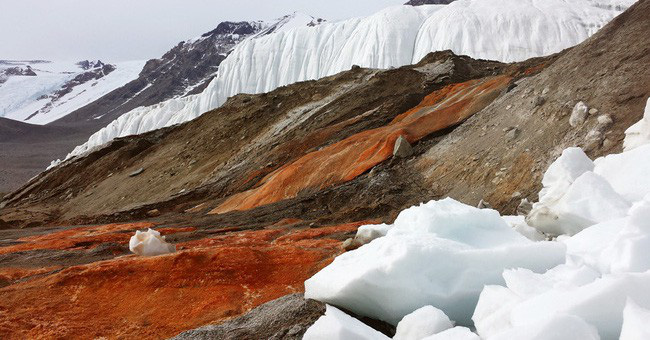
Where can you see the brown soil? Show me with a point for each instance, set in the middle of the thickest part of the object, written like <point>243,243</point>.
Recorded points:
<point>314,157</point>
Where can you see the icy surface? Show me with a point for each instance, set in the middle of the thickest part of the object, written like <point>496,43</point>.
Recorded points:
<point>636,322</point>
<point>456,333</point>
<point>639,133</point>
<point>150,243</point>
<point>505,30</point>
<point>422,323</point>
<point>336,325</point>
<point>22,96</point>
<point>627,172</point>
<point>560,327</point>
<point>440,253</point>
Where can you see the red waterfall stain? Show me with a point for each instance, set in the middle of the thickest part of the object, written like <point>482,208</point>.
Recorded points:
<point>351,157</point>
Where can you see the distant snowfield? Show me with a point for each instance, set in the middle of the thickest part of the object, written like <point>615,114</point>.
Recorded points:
<point>19,95</point>
<point>505,30</point>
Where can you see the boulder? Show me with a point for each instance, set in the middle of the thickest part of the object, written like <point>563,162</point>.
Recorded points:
<point>402,148</point>
<point>579,114</point>
<point>288,317</point>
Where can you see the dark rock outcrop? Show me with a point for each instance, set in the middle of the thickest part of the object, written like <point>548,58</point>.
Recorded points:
<point>429,2</point>
<point>288,318</point>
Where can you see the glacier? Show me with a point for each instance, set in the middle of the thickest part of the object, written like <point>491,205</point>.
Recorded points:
<point>505,30</point>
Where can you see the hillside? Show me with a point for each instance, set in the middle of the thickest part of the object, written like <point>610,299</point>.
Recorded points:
<point>260,194</point>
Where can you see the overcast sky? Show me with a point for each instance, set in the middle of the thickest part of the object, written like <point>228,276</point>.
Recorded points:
<point>119,30</point>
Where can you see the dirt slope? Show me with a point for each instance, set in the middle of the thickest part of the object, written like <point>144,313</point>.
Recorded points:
<point>289,175</point>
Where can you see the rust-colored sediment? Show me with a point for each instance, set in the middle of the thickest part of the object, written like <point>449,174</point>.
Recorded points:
<point>84,237</point>
<point>351,157</point>
<point>158,297</point>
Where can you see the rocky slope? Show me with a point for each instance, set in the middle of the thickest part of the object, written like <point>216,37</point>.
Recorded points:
<point>262,191</point>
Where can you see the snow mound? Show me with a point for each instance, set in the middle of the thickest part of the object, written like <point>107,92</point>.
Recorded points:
<point>150,243</point>
<point>639,133</point>
<point>422,323</point>
<point>440,253</point>
<point>505,30</point>
<point>336,325</point>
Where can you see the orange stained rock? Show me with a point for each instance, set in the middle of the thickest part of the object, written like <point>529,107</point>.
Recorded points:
<point>11,274</point>
<point>351,157</point>
<point>84,237</point>
<point>157,297</point>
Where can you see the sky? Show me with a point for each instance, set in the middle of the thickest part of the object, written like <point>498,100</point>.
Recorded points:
<point>121,30</point>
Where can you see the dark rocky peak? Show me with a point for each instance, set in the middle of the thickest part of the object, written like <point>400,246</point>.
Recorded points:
<point>88,64</point>
<point>229,27</point>
<point>428,2</point>
<point>19,71</point>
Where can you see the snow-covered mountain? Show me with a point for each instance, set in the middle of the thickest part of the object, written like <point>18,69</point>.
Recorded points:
<point>505,30</point>
<point>39,92</point>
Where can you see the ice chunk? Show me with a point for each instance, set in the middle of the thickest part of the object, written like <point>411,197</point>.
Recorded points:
<point>336,325</point>
<point>559,327</point>
<point>636,322</point>
<point>639,133</point>
<point>424,322</point>
<point>628,251</point>
<point>440,253</point>
<point>599,303</point>
<point>586,247</point>
<point>150,243</point>
<point>492,313</point>
<point>367,233</point>
<point>563,172</point>
<point>588,200</point>
<point>456,333</point>
<point>627,172</point>
<point>518,223</point>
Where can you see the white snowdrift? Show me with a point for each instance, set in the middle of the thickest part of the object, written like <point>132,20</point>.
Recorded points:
<point>639,133</point>
<point>505,30</point>
<point>440,253</point>
<point>150,243</point>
